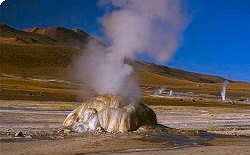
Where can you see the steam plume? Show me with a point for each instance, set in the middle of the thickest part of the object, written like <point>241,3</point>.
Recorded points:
<point>171,92</point>
<point>153,27</point>
<point>159,91</point>
<point>1,1</point>
<point>223,91</point>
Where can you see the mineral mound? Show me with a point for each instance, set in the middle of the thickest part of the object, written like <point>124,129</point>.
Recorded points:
<point>111,113</point>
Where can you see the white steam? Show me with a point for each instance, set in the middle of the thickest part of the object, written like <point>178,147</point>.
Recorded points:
<point>153,27</point>
<point>159,91</point>
<point>223,90</point>
<point>1,1</point>
<point>171,92</point>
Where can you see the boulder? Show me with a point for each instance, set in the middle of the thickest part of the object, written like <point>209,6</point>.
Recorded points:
<point>111,113</point>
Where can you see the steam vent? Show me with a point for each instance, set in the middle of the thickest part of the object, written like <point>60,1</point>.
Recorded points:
<point>110,113</point>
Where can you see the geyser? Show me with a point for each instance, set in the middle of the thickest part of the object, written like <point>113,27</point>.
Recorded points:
<point>132,27</point>
<point>111,113</point>
<point>159,91</point>
<point>171,92</point>
<point>223,90</point>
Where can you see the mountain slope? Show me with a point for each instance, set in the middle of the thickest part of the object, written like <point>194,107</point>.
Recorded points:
<point>58,36</point>
<point>63,36</point>
<point>52,57</point>
<point>55,36</point>
<point>177,73</point>
<point>11,35</point>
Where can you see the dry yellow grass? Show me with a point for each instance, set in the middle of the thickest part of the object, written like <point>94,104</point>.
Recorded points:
<point>152,80</point>
<point>12,88</point>
<point>150,100</point>
<point>53,62</point>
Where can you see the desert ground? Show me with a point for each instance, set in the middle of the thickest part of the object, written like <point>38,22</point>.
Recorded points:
<point>189,123</point>
<point>189,130</point>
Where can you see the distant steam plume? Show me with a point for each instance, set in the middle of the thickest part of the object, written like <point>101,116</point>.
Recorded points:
<point>223,90</point>
<point>171,92</point>
<point>159,91</point>
<point>153,27</point>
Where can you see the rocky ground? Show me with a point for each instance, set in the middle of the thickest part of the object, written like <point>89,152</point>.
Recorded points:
<point>221,120</point>
<point>33,127</point>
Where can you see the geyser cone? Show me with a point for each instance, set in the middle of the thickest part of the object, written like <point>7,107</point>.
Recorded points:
<point>112,113</point>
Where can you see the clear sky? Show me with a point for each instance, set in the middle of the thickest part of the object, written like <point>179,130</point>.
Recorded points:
<point>217,41</point>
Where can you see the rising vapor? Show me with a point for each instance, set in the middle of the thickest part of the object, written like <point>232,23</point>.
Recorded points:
<point>152,27</point>
<point>1,1</point>
<point>223,90</point>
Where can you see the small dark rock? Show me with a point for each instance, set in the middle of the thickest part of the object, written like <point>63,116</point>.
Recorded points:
<point>19,134</point>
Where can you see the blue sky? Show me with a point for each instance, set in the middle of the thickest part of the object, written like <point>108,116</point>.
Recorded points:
<point>217,41</point>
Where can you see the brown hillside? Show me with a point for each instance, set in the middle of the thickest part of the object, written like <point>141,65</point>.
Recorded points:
<point>11,35</point>
<point>75,38</point>
<point>47,58</point>
<point>177,73</point>
<point>63,36</point>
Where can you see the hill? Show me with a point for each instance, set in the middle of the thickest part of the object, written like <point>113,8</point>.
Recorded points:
<point>177,73</point>
<point>11,35</point>
<point>54,36</point>
<point>51,57</point>
<point>60,43</point>
<point>63,36</point>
